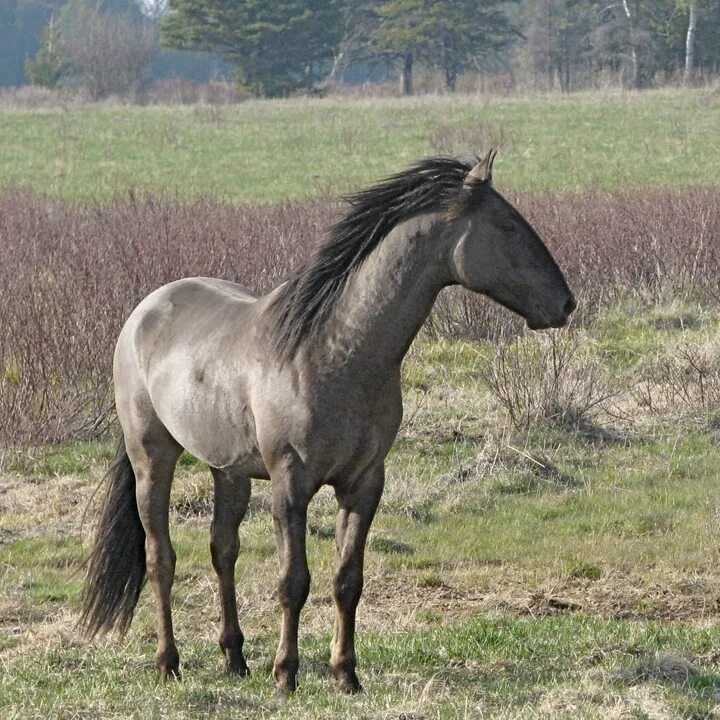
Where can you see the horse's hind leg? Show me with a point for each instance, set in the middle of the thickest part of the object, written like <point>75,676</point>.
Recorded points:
<point>153,454</point>
<point>232,493</point>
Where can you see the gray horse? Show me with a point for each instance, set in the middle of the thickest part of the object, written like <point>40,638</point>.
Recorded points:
<point>301,387</point>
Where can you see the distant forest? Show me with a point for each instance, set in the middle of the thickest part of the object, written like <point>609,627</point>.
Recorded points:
<point>276,47</point>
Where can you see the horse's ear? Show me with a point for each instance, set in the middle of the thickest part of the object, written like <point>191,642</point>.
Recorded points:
<point>482,172</point>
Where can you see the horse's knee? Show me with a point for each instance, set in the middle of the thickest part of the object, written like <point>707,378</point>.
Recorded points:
<point>223,551</point>
<point>294,588</point>
<point>348,586</point>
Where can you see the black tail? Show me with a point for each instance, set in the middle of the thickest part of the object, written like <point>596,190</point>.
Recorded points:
<point>116,567</point>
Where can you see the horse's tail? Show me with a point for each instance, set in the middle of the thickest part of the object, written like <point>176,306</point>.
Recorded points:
<point>116,566</point>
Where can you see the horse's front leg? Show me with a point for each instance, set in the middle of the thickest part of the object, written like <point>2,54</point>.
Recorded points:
<point>357,510</point>
<point>290,497</point>
<point>232,493</point>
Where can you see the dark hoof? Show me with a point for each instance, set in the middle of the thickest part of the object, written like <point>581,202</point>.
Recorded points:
<point>237,668</point>
<point>348,683</point>
<point>171,674</point>
<point>286,684</point>
<point>168,665</point>
<point>234,659</point>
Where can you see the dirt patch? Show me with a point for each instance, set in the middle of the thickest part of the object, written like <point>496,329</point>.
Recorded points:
<point>597,700</point>
<point>660,667</point>
<point>32,506</point>
<point>617,595</point>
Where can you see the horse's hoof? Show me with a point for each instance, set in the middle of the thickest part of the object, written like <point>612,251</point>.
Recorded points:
<point>345,677</point>
<point>168,664</point>
<point>238,669</point>
<point>348,683</point>
<point>170,674</point>
<point>286,685</point>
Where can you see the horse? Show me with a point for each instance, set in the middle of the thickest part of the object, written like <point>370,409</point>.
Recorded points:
<point>301,387</point>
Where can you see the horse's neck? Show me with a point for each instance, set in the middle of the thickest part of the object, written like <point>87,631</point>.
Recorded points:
<point>388,299</point>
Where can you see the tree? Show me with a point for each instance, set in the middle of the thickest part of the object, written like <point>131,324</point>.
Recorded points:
<point>355,39</point>
<point>153,9</point>
<point>50,64</point>
<point>110,52</point>
<point>654,40</point>
<point>626,38</point>
<point>277,46</point>
<point>21,31</point>
<point>557,47</point>
<point>690,43</point>
<point>453,35</point>
<point>468,36</point>
<point>402,29</point>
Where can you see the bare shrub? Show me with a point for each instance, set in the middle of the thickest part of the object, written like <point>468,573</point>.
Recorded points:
<point>429,82</point>
<point>180,91</point>
<point>652,245</point>
<point>32,97</point>
<point>687,378</point>
<point>460,314</point>
<point>71,273</point>
<point>175,91</point>
<point>111,53</point>
<point>657,244</point>
<point>549,378</point>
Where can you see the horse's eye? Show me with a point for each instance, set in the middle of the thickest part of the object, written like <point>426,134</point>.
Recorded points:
<point>507,226</point>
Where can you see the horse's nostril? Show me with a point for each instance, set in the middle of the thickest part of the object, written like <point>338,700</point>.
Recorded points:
<point>570,306</point>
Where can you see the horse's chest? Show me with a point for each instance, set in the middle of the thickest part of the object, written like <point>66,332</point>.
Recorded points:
<point>353,435</point>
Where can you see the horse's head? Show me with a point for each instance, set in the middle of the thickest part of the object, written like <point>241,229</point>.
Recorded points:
<point>500,255</point>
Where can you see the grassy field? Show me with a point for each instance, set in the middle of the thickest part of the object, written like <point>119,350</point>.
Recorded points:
<point>564,566</point>
<point>554,571</point>
<point>271,151</point>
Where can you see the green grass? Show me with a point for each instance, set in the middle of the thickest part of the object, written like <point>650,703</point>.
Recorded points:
<point>274,150</point>
<point>480,666</point>
<point>551,573</point>
<point>493,589</point>
<point>549,570</point>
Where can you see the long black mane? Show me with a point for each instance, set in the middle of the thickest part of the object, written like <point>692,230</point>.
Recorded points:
<point>431,185</point>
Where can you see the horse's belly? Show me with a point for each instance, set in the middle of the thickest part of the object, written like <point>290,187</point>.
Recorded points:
<point>215,424</point>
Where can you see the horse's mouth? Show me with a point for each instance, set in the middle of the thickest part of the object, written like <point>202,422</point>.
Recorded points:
<point>541,320</point>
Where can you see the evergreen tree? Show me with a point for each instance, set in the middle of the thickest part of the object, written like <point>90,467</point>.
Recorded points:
<point>558,40</point>
<point>21,29</point>
<point>454,35</point>
<point>50,64</point>
<point>277,46</point>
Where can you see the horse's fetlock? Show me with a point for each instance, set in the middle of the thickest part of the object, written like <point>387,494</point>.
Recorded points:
<point>231,641</point>
<point>345,664</point>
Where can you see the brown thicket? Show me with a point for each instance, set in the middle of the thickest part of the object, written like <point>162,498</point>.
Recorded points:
<point>70,274</point>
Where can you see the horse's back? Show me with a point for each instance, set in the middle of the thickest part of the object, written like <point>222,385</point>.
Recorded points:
<point>171,361</point>
<point>180,310</point>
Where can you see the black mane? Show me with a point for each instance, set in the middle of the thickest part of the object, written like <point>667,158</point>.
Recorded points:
<point>431,185</point>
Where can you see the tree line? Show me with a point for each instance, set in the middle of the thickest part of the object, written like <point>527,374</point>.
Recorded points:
<point>276,47</point>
